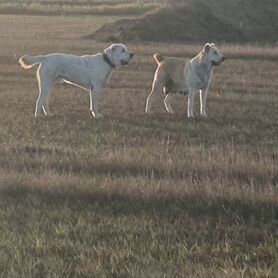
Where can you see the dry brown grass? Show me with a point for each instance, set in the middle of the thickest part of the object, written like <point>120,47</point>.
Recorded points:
<point>135,194</point>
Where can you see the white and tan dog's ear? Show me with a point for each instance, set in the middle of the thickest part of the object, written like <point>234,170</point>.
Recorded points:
<point>206,47</point>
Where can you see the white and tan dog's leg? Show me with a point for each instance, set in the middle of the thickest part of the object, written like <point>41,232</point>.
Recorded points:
<point>190,103</point>
<point>203,102</point>
<point>157,86</point>
<point>156,89</point>
<point>168,101</point>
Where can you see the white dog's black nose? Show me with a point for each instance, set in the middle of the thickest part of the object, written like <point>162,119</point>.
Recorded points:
<point>131,54</point>
<point>223,58</point>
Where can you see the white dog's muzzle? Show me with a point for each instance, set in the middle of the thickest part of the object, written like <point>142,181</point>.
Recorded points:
<point>124,62</point>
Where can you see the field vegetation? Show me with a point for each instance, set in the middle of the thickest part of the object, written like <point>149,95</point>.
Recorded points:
<point>132,194</point>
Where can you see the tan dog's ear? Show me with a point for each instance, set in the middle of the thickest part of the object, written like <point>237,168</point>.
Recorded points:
<point>206,48</point>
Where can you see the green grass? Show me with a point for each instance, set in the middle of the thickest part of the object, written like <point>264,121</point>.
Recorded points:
<point>133,194</point>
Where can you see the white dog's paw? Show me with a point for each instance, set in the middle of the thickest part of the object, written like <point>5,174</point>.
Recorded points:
<point>204,115</point>
<point>148,111</point>
<point>97,116</point>
<point>170,111</point>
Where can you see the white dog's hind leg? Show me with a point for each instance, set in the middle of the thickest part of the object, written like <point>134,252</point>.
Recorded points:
<point>167,102</point>
<point>94,100</point>
<point>45,86</point>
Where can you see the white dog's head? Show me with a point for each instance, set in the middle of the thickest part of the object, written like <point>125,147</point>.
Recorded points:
<point>214,56</point>
<point>118,54</point>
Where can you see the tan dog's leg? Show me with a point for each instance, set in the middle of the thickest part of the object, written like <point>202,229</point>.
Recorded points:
<point>157,86</point>
<point>190,103</point>
<point>167,102</point>
<point>203,102</point>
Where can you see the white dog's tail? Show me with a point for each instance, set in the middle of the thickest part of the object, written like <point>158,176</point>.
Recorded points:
<point>158,58</point>
<point>28,62</point>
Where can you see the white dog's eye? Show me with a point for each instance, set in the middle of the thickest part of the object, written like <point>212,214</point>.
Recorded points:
<point>123,50</point>
<point>215,52</point>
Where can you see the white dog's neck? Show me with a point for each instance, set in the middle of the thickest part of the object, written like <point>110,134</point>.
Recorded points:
<point>108,61</point>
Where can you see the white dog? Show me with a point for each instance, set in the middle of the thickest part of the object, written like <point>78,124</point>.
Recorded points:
<point>187,77</point>
<point>90,72</point>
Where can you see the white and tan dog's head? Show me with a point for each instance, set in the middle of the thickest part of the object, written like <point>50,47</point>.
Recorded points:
<point>214,56</point>
<point>118,54</point>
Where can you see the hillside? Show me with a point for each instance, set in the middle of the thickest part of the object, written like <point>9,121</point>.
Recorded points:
<point>200,20</point>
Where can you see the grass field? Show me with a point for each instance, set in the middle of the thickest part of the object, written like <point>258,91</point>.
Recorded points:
<point>132,194</point>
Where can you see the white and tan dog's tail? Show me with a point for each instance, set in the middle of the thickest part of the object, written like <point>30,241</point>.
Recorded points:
<point>158,58</point>
<point>28,62</point>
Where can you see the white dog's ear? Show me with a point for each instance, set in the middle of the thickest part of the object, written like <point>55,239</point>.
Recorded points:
<point>206,48</point>
<point>113,47</point>
<point>108,51</point>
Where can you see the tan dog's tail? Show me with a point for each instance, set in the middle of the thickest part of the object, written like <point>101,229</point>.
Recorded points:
<point>158,58</point>
<point>28,62</point>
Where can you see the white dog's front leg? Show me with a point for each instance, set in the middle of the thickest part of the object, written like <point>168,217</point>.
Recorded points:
<point>94,101</point>
<point>191,95</point>
<point>203,102</point>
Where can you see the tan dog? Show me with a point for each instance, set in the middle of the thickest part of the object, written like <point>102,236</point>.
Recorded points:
<point>179,75</point>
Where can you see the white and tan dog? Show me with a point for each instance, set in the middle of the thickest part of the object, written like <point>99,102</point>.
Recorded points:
<point>90,72</point>
<point>187,77</point>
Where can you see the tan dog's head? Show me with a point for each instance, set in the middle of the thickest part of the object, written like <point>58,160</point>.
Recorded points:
<point>213,55</point>
<point>118,54</point>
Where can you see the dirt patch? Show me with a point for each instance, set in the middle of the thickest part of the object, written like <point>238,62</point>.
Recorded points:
<point>199,20</point>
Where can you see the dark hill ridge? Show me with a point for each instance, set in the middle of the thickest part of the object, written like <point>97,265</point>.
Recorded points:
<point>200,20</point>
